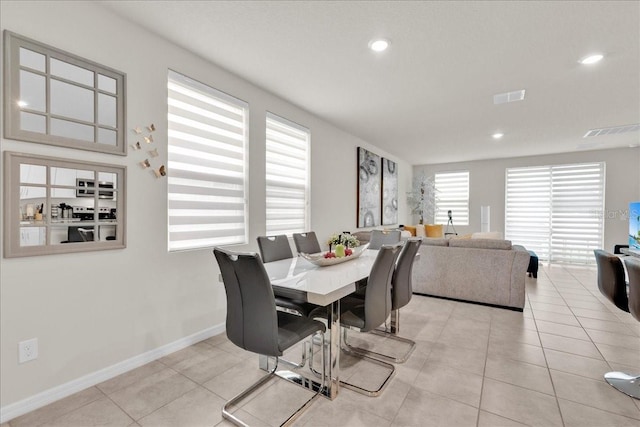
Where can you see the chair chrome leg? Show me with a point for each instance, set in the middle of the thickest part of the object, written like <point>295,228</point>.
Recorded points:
<point>391,333</point>
<point>226,413</point>
<point>362,355</point>
<point>628,384</point>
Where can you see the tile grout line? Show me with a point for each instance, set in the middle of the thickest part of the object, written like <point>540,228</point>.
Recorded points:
<point>555,393</point>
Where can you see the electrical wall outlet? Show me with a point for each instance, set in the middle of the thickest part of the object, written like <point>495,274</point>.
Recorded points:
<point>27,350</point>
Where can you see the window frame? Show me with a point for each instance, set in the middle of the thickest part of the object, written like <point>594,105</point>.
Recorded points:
<point>224,100</point>
<point>441,216</point>
<point>293,127</point>
<point>561,198</point>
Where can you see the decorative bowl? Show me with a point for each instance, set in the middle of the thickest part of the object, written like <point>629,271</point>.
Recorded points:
<point>319,259</point>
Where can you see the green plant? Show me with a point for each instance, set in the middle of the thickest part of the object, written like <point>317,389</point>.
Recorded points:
<point>348,240</point>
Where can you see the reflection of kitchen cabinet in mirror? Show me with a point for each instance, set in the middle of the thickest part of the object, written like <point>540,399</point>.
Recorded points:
<point>54,97</point>
<point>57,205</point>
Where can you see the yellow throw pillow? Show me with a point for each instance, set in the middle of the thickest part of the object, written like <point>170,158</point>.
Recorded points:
<point>410,229</point>
<point>434,230</point>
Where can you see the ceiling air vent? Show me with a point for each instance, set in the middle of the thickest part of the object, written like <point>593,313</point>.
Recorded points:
<point>612,130</point>
<point>503,98</point>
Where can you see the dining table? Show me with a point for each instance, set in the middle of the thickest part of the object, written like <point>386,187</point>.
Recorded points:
<point>299,279</point>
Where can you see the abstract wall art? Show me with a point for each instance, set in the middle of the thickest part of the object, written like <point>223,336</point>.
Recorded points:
<point>369,196</point>
<point>389,192</point>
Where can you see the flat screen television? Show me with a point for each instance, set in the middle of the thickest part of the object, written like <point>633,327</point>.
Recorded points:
<point>634,225</point>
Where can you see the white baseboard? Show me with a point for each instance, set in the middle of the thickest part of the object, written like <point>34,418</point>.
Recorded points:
<point>46,397</point>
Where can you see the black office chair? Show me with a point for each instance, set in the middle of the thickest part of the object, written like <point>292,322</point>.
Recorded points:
<point>306,242</point>
<point>401,293</point>
<point>254,324</point>
<point>365,316</point>
<point>612,285</point>
<point>384,237</point>
<point>86,234</point>
<point>275,248</point>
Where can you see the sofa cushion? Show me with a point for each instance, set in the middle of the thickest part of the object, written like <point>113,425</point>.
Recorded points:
<point>481,243</point>
<point>431,241</point>
<point>495,235</point>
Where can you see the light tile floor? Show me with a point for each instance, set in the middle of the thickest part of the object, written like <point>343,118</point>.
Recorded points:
<point>473,366</point>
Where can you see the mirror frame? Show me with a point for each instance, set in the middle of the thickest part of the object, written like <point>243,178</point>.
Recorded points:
<point>12,129</point>
<point>13,222</point>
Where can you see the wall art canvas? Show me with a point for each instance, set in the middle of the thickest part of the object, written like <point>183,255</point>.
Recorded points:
<point>389,192</point>
<point>369,179</point>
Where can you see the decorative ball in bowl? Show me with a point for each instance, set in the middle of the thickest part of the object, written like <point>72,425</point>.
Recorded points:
<point>323,259</point>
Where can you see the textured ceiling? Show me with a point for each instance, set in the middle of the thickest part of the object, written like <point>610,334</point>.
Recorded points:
<point>429,98</point>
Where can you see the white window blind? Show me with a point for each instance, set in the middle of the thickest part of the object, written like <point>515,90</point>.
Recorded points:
<point>577,226</point>
<point>556,211</point>
<point>287,176</point>
<point>528,209</point>
<point>207,138</point>
<point>452,194</point>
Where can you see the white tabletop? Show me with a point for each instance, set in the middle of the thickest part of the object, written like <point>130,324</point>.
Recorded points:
<point>319,285</point>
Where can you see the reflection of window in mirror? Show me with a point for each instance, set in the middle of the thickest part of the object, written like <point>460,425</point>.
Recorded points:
<point>58,205</point>
<point>58,98</point>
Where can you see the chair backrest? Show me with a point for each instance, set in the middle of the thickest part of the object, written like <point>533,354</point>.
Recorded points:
<point>383,237</point>
<point>611,279</point>
<point>86,234</point>
<point>633,269</point>
<point>377,301</point>
<point>274,248</point>
<point>252,321</point>
<point>401,285</point>
<point>306,242</point>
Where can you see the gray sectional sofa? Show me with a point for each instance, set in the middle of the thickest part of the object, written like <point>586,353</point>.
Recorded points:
<point>479,270</point>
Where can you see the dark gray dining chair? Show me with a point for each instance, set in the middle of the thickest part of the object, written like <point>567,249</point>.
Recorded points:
<point>306,242</point>
<point>384,237</point>
<point>612,285</point>
<point>611,280</point>
<point>365,316</point>
<point>401,293</point>
<point>276,248</point>
<point>254,324</point>
<point>633,270</point>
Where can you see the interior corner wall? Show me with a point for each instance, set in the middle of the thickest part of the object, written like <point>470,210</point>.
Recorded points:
<point>92,310</point>
<point>487,186</point>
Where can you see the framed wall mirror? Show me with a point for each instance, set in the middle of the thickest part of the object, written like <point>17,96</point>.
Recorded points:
<point>58,206</point>
<point>55,97</point>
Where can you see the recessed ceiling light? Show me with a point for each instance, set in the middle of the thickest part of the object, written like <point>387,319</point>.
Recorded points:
<point>497,135</point>
<point>591,59</point>
<point>22,104</point>
<point>379,45</point>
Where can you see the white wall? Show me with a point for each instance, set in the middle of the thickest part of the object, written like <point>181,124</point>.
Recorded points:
<point>92,310</point>
<point>487,186</point>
